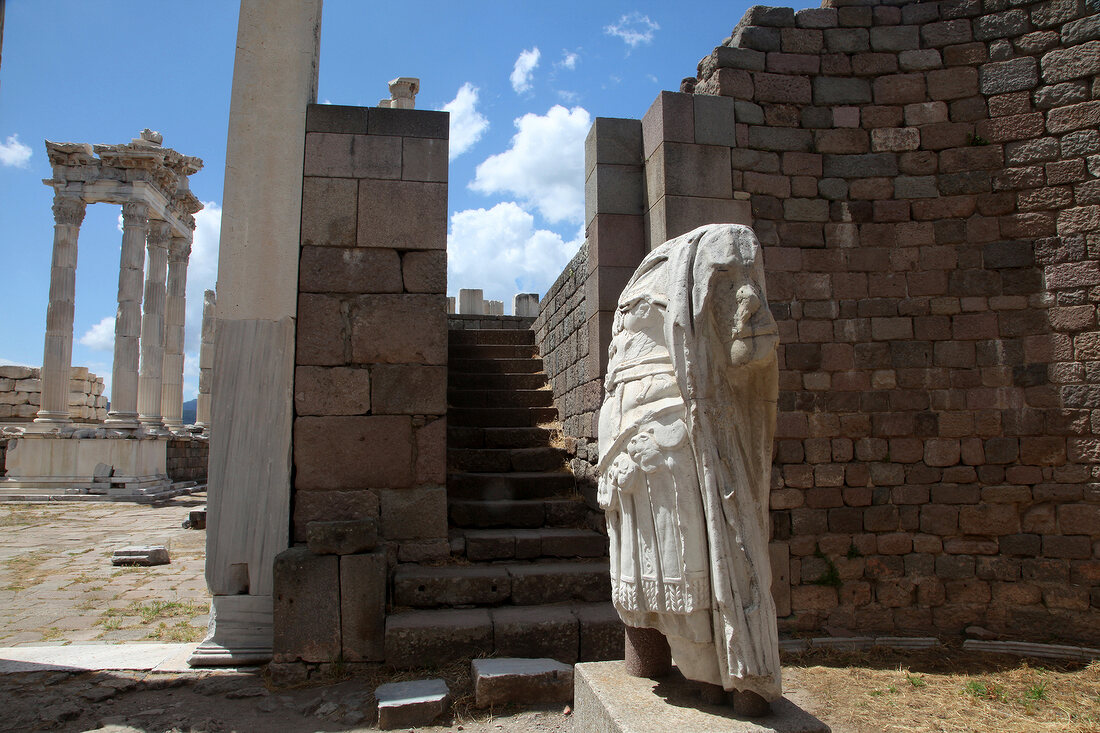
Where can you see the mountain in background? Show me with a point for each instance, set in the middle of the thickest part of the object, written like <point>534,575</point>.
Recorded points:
<point>189,408</point>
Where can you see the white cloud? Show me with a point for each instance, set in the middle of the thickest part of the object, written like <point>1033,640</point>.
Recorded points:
<point>202,270</point>
<point>467,124</point>
<point>568,97</point>
<point>9,362</point>
<point>190,376</point>
<point>634,29</point>
<point>544,165</point>
<point>101,336</point>
<point>568,60</point>
<point>499,251</point>
<point>526,64</point>
<point>14,153</point>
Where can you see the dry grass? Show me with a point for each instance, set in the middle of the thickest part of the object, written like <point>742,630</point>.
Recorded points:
<point>25,570</point>
<point>947,690</point>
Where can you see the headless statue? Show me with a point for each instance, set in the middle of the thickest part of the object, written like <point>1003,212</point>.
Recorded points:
<point>685,440</point>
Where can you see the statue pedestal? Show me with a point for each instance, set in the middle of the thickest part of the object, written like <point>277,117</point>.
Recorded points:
<point>608,700</point>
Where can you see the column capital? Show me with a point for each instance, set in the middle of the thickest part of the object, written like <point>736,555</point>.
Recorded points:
<point>68,210</point>
<point>179,250</point>
<point>159,234</point>
<point>135,212</point>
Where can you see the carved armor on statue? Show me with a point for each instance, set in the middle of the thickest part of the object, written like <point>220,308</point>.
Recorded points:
<point>685,435</point>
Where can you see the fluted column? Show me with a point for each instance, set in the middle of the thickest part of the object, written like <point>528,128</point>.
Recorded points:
<point>124,374</point>
<point>152,327</point>
<point>57,357</point>
<point>206,358</point>
<point>171,401</point>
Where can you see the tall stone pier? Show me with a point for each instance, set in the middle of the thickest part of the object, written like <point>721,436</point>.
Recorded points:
<point>274,79</point>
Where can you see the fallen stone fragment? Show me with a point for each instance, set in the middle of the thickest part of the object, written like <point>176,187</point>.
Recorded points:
<point>196,519</point>
<point>141,555</point>
<point>346,537</point>
<point>409,704</point>
<point>523,681</point>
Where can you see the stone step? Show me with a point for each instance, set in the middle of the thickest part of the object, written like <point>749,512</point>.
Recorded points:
<point>483,545</point>
<point>492,351</point>
<point>474,437</point>
<point>500,398</point>
<point>521,584</point>
<point>535,380</point>
<point>567,633</point>
<point>495,366</point>
<point>517,513</point>
<point>501,417</point>
<point>491,336</point>
<point>503,460</point>
<point>514,485</point>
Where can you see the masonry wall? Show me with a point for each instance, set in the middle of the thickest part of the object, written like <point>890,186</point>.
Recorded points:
<point>187,458</point>
<point>21,395</point>
<point>370,385</point>
<point>923,178</point>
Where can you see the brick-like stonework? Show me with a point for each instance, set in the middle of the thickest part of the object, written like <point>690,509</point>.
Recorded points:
<point>21,395</point>
<point>923,177</point>
<point>187,458</point>
<point>370,385</point>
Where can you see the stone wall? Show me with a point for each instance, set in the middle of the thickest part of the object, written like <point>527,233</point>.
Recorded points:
<point>21,395</point>
<point>188,458</point>
<point>370,385</point>
<point>923,177</point>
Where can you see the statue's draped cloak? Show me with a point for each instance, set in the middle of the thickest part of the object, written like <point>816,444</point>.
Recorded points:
<point>730,417</point>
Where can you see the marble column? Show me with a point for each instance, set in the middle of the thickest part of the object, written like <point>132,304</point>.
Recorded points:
<point>57,357</point>
<point>206,359</point>
<point>124,374</point>
<point>152,327</point>
<point>171,401</point>
<point>248,500</point>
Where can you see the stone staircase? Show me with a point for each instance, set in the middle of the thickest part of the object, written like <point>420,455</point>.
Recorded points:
<point>530,576</point>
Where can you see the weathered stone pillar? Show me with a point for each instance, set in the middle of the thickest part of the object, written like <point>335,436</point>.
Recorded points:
<point>57,357</point>
<point>171,401</point>
<point>152,327</point>
<point>124,375</point>
<point>274,78</point>
<point>206,359</point>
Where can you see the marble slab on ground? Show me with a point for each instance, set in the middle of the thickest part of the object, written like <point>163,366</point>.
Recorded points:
<point>152,657</point>
<point>411,704</point>
<point>608,700</point>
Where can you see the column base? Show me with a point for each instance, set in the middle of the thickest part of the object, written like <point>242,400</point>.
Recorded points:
<point>240,633</point>
<point>53,418</point>
<point>122,420</point>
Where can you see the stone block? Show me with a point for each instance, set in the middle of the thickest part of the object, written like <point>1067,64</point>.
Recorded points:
<point>536,631</point>
<point>363,607</point>
<point>328,211</point>
<point>841,90</point>
<point>408,389</point>
<point>311,506</point>
<point>1001,77</point>
<point>815,18</point>
<point>895,38</point>
<point>402,215</point>
<point>408,122</point>
<point>613,141</point>
<point>424,638</point>
<point>334,155</point>
<point>521,681</point>
<point>688,170</point>
<point>331,269</point>
<point>320,331</point>
<point>423,159</point>
<point>306,597</point>
<point>671,118</point>
<point>331,391</point>
<point>615,241</point>
<point>676,215</point>
<point>1083,29</point>
<point>782,88</point>
<point>1071,63</point>
<point>399,329</point>
<point>847,40</point>
<point>431,452</point>
<point>424,272</point>
<point>714,120</point>
<point>142,555</point>
<point>414,513</point>
<point>342,537</point>
<point>780,139</point>
<point>352,452</point>
<point>336,118</point>
<point>411,704</point>
<point>601,632</point>
<point>614,189</point>
<point>954,83</point>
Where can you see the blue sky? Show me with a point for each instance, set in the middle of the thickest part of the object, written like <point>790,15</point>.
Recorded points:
<point>523,82</point>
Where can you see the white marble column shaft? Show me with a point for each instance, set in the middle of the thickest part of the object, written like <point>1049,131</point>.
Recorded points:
<point>206,358</point>
<point>152,327</point>
<point>124,374</point>
<point>57,357</point>
<point>171,401</point>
